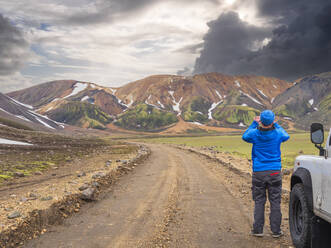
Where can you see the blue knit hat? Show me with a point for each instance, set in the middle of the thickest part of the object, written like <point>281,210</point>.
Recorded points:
<point>267,117</point>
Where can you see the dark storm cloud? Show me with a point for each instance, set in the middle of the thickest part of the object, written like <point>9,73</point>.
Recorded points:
<point>13,48</point>
<point>228,45</point>
<point>300,41</point>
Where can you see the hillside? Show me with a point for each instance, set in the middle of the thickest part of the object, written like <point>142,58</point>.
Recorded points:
<point>22,116</point>
<point>211,99</point>
<point>309,100</point>
<point>196,99</point>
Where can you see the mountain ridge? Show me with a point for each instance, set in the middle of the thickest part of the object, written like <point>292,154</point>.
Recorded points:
<point>211,99</point>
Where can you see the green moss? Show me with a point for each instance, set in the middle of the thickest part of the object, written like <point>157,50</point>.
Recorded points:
<point>197,110</point>
<point>5,176</point>
<point>80,113</point>
<point>325,104</point>
<point>145,117</point>
<point>234,114</point>
<point>284,111</point>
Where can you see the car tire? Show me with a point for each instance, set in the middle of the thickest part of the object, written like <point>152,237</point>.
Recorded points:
<point>300,217</point>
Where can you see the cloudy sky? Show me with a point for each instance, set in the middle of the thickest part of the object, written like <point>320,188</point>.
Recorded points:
<point>112,42</point>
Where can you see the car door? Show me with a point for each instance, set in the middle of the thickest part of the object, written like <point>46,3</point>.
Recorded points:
<point>326,181</point>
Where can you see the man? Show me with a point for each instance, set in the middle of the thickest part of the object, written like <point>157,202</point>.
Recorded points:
<point>266,136</point>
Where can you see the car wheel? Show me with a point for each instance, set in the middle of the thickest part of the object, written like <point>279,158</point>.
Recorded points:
<point>300,217</point>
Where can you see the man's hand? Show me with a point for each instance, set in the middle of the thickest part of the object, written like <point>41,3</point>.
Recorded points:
<point>257,119</point>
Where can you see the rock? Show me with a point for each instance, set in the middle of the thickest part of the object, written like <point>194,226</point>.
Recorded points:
<point>96,184</point>
<point>301,152</point>
<point>83,187</point>
<point>118,160</point>
<point>19,174</point>
<point>286,172</point>
<point>81,174</point>
<point>14,215</point>
<point>12,196</point>
<point>38,173</point>
<point>88,194</point>
<point>46,198</point>
<point>54,174</point>
<point>33,196</point>
<point>23,199</point>
<point>55,168</point>
<point>98,175</point>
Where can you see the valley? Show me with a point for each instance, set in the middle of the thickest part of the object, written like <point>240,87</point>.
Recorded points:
<point>174,199</point>
<point>156,103</point>
<point>149,164</point>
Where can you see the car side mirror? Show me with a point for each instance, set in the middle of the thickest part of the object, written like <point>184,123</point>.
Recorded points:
<point>317,133</point>
<point>317,137</point>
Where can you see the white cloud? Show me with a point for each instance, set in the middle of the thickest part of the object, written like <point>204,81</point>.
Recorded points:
<point>114,52</point>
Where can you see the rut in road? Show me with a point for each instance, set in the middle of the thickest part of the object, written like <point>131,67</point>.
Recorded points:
<point>175,199</point>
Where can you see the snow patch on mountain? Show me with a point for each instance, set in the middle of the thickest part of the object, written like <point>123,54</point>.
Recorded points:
<point>275,86</point>
<point>121,103</point>
<point>44,123</point>
<point>113,90</point>
<point>19,103</point>
<point>36,115</point>
<point>162,106</point>
<point>219,95</point>
<point>151,104</point>
<point>196,123</point>
<point>262,93</point>
<point>250,97</point>
<point>244,104</point>
<point>23,118</point>
<point>5,111</point>
<point>214,105</point>
<point>78,87</point>
<point>131,101</point>
<point>311,102</point>
<point>237,83</point>
<point>85,98</point>
<point>13,142</point>
<point>176,106</point>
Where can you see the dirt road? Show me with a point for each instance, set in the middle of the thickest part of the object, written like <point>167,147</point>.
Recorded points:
<point>175,199</point>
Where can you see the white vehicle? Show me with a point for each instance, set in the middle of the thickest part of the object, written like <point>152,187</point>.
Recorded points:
<point>310,198</point>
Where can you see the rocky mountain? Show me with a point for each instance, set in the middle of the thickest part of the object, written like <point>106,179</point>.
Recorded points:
<point>157,102</point>
<point>307,101</point>
<point>72,102</point>
<point>208,99</point>
<point>19,115</point>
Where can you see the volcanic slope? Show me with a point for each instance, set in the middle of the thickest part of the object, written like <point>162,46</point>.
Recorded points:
<point>307,101</point>
<point>214,99</point>
<point>73,102</point>
<point>208,99</point>
<point>22,116</point>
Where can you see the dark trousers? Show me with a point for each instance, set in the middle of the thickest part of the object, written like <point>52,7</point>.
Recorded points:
<point>262,182</point>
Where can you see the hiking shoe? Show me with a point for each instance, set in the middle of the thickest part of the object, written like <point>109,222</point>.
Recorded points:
<point>277,235</point>
<point>256,234</point>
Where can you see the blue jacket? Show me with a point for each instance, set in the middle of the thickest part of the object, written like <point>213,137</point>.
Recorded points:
<point>266,153</point>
